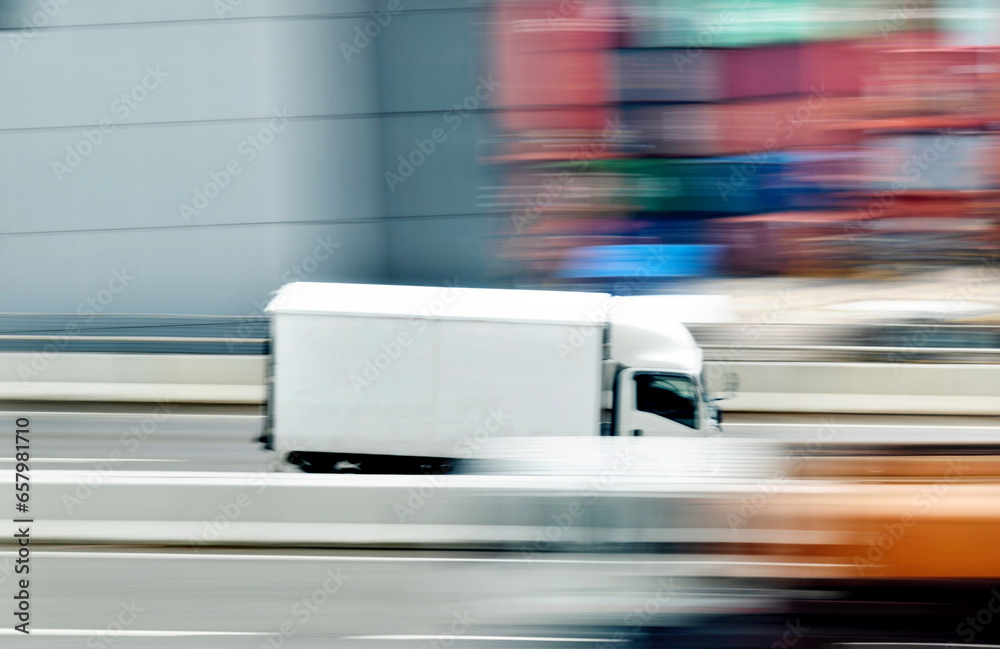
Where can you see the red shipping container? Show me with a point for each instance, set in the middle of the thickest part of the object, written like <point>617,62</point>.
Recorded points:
<point>764,71</point>
<point>911,74</point>
<point>589,118</point>
<point>553,64</point>
<point>989,82</point>
<point>790,242</point>
<point>724,74</point>
<point>670,75</point>
<point>674,130</point>
<point>808,121</point>
<point>744,127</point>
<point>833,66</point>
<point>934,205</point>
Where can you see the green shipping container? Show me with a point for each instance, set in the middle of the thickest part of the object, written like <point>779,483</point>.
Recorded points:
<point>750,23</point>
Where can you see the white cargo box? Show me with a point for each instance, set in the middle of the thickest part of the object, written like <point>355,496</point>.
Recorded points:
<point>432,371</point>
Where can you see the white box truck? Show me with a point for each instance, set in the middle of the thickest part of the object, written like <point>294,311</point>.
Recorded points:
<point>404,378</point>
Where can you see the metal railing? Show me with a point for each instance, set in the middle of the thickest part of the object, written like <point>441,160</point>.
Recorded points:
<point>867,342</point>
<point>752,342</point>
<point>134,334</point>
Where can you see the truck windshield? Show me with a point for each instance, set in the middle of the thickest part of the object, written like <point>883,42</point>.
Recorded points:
<point>672,396</point>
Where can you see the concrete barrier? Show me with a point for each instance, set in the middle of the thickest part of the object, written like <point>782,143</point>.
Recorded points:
<point>866,388</point>
<point>174,378</point>
<point>769,525</point>
<point>487,511</point>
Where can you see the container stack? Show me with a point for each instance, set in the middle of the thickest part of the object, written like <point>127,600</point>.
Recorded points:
<point>929,173</point>
<point>780,136</point>
<point>557,115</point>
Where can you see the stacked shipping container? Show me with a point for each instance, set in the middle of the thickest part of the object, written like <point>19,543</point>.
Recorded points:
<point>797,136</point>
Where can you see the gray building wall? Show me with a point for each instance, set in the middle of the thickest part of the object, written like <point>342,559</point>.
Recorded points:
<point>436,226</point>
<point>139,192</point>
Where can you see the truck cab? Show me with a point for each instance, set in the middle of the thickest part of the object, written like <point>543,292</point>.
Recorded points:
<point>656,372</point>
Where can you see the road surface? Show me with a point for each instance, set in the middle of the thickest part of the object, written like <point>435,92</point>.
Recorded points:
<point>220,438</point>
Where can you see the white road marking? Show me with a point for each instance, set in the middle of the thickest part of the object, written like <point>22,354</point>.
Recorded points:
<point>356,558</point>
<point>483,638</point>
<point>912,644</point>
<point>136,415</point>
<point>838,425</point>
<point>84,459</point>
<point>130,633</point>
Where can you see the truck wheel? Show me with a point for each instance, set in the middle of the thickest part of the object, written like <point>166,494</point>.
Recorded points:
<point>311,462</point>
<point>345,465</point>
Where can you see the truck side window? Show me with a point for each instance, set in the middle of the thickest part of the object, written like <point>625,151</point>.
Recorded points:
<point>671,396</point>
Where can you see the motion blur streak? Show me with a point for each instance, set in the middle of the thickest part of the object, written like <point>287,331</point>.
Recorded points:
<point>646,142</point>
<point>789,440</point>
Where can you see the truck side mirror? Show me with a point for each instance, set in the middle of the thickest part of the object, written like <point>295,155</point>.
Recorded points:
<point>717,412</point>
<point>730,385</point>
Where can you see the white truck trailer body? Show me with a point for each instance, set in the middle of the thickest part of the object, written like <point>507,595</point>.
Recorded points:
<point>424,371</point>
